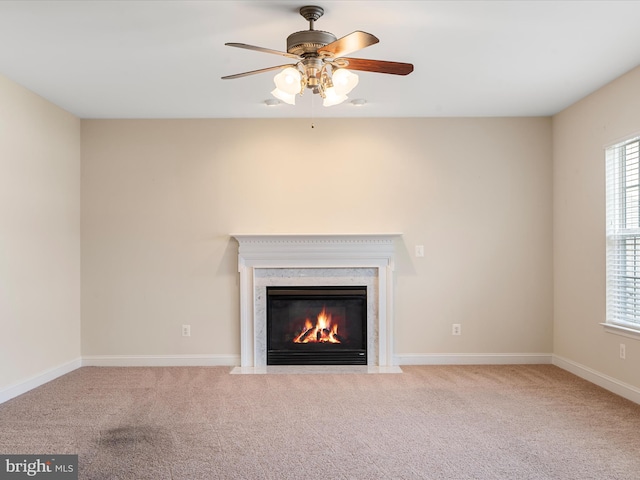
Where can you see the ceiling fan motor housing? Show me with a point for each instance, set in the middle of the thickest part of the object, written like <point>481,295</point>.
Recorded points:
<point>308,42</point>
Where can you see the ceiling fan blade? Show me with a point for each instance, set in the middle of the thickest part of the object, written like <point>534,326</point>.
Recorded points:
<point>348,44</point>
<point>378,66</point>
<point>264,50</point>
<point>253,72</point>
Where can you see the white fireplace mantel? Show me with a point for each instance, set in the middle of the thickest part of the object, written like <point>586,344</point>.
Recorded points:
<point>259,256</point>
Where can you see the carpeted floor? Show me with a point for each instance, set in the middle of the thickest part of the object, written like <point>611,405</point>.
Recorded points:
<point>430,422</point>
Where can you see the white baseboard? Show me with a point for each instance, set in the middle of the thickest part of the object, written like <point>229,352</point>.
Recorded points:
<point>608,383</point>
<point>40,379</point>
<point>160,360</point>
<point>472,358</point>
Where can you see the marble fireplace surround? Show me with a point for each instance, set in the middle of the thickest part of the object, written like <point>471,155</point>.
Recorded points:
<point>314,260</point>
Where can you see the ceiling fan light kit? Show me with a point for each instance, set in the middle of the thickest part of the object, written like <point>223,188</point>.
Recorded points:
<point>320,63</point>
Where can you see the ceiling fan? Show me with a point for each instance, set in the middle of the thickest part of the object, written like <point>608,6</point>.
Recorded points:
<point>320,62</point>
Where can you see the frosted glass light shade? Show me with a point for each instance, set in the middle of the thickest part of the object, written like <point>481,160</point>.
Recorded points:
<point>331,97</point>
<point>344,81</point>
<point>289,98</point>
<point>288,81</point>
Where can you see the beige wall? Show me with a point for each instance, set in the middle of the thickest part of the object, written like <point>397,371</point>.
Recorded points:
<point>579,136</point>
<point>160,198</point>
<point>39,236</point>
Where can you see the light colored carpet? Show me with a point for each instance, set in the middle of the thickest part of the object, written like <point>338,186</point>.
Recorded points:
<point>431,422</point>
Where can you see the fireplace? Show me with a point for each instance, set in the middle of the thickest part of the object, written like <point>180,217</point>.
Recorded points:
<point>317,325</point>
<point>309,260</point>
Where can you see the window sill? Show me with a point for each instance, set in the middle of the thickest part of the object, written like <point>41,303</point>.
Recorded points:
<point>623,331</point>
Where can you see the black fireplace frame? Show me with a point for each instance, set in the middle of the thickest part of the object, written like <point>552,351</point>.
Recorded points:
<point>318,354</point>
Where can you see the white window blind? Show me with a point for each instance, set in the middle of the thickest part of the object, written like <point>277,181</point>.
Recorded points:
<point>623,234</point>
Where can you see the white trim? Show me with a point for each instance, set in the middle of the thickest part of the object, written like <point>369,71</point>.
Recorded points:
<point>621,140</point>
<point>37,380</point>
<point>605,381</point>
<point>473,358</point>
<point>160,360</point>
<point>620,330</point>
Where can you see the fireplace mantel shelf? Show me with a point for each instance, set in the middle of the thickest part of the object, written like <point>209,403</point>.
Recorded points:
<point>310,250</point>
<point>311,236</point>
<point>270,241</point>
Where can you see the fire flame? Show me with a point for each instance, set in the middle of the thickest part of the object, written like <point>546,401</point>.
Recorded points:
<point>322,332</point>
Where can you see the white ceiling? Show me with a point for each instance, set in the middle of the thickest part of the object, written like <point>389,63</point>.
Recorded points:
<point>164,59</point>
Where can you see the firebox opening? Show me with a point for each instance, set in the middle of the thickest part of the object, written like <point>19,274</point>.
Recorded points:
<point>317,325</point>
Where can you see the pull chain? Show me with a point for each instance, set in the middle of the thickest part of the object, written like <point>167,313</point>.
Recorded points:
<point>312,104</point>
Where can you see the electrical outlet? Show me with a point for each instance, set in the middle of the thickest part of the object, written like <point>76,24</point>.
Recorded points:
<point>186,330</point>
<point>623,351</point>
<point>456,329</point>
<point>419,250</point>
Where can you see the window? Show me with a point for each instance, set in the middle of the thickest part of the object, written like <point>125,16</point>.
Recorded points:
<point>623,235</point>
